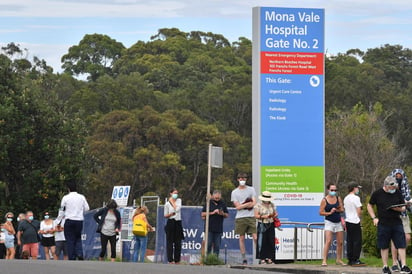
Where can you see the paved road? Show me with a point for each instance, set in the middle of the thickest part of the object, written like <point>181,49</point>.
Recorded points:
<point>96,267</point>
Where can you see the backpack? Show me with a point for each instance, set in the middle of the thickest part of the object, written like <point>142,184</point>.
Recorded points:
<point>139,226</point>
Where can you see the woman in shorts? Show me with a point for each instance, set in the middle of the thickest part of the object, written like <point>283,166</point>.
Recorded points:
<point>47,230</point>
<point>331,207</point>
<point>9,236</point>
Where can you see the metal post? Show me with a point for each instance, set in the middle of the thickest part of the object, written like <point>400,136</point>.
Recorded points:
<point>209,174</point>
<point>295,244</point>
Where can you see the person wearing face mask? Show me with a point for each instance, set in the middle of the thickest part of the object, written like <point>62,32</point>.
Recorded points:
<point>48,242</point>
<point>28,236</point>
<point>331,207</point>
<point>403,186</point>
<point>389,204</point>
<point>353,212</point>
<point>244,199</point>
<point>265,211</point>
<point>217,213</point>
<point>173,228</point>
<point>9,236</point>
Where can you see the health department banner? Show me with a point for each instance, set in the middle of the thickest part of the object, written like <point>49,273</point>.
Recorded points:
<point>193,227</point>
<point>309,243</point>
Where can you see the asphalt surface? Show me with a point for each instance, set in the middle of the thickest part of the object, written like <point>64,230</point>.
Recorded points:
<point>89,267</point>
<point>96,267</point>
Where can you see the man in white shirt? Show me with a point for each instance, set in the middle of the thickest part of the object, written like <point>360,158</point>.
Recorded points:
<point>74,205</point>
<point>353,211</point>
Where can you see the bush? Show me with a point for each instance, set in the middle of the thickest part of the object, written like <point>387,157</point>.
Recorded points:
<point>369,233</point>
<point>212,259</point>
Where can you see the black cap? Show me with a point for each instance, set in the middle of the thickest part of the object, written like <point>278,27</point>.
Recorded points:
<point>352,185</point>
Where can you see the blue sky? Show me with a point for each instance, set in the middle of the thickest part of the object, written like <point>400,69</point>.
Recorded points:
<point>47,28</point>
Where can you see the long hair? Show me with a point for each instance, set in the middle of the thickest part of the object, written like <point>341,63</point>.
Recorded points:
<point>140,210</point>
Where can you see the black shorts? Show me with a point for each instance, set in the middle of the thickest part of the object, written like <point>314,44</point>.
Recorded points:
<point>48,241</point>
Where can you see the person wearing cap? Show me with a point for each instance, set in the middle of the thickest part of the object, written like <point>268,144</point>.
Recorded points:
<point>244,199</point>
<point>331,207</point>
<point>265,211</point>
<point>403,186</point>
<point>353,212</point>
<point>389,204</point>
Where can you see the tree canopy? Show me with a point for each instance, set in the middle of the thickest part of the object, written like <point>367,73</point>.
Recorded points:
<point>146,114</point>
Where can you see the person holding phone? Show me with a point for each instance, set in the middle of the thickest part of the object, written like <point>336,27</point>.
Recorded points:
<point>388,221</point>
<point>173,228</point>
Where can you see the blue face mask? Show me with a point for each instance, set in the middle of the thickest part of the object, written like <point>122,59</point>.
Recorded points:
<point>46,217</point>
<point>9,219</point>
<point>391,191</point>
<point>332,193</point>
<point>3,229</point>
<point>31,218</point>
<point>174,196</point>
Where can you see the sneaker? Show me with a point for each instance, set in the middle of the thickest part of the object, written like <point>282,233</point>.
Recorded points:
<point>405,270</point>
<point>386,270</point>
<point>357,263</point>
<point>244,262</point>
<point>395,268</point>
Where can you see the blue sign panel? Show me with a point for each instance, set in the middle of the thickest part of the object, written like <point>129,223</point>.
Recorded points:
<point>288,94</point>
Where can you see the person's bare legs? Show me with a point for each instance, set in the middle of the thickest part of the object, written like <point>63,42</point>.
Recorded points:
<point>46,252</point>
<point>339,248</point>
<point>384,255</point>
<point>328,241</point>
<point>402,256</point>
<point>394,252</point>
<point>242,244</point>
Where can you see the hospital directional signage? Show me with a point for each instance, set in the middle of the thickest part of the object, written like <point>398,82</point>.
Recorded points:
<point>288,107</point>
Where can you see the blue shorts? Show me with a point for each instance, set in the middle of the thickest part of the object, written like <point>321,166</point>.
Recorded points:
<point>386,233</point>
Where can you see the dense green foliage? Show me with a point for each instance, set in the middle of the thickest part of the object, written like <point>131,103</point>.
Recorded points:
<point>146,115</point>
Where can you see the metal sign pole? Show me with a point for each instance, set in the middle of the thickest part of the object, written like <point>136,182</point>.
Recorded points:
<point>209,174</point>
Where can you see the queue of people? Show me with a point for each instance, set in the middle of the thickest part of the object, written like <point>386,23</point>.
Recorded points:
<point>391,202</point>
<point>254,216</point>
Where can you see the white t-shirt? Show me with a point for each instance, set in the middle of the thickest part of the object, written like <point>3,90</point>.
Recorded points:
<point>59,235</point>
<point>74,206</point>
<point>44,226</point>
<point>351,203</point>
<point>169,209</point>
<point>240,195</point>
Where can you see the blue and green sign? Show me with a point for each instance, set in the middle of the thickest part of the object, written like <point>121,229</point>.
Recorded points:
<point>288,108</point>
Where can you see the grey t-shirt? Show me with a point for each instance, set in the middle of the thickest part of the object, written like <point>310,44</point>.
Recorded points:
<point>240,195</point>
<point>108,227</point>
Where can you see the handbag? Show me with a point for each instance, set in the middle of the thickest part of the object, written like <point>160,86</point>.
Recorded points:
<point>276,222</point>
<point>342,220</point>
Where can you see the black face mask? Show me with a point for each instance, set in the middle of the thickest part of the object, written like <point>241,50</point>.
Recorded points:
<point>399,180</point>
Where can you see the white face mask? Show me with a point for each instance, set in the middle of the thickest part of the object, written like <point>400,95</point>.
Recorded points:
<point>242,183</point>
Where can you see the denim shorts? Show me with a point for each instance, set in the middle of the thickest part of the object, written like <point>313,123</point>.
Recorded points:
<point>386,233</point>
<point>334,227</point>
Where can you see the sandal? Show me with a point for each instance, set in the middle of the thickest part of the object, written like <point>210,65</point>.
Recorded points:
<point>262,262</point>
<point>324,264</point>
<point>269,261</point>
<point>341,263</point>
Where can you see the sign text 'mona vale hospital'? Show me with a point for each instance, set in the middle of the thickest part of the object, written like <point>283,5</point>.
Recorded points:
<point>291,113</point>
